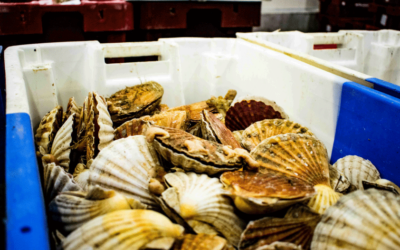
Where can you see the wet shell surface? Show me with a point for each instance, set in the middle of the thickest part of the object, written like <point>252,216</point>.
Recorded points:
<point>201,242</point>
<point>70,210</point>
<point>249,110</point>
<point>56,180</point>
<point>194,154</point>
<point>357,169</point>
<point>134,102</point>
<point>123,229</point>
<point>131,128</point>
<point>261,130</point>
<point>200,198</point>
<point>367,219</point>
<point>48,128</point>
<point>214,130</point>
<point>126,166</point>
<point>297,228</point>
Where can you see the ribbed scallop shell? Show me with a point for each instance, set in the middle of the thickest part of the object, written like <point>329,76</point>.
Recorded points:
<point>170,119</point>
<point>382,184</point>
<point>70,210</point>
<point>81,175</point>
<point>201,198</point>
<point>238,134</point>
<point>261,130</point>
<point>325,197</point>
<point>291,229</point>
<point>280,246</point>
<point>48,128</point>
<point>126,166</point>
<point>367,219</point>
<point>134,102</point>
<point>338,180</point>
<point>201,242</point>
<point>248,110</point>
<point>213,129</point>
<point>131,128</point>
<point>103,120</point>
<point>357,169</point>
<point>206,157</point>
<point>120,230</point>
<point>56,180</point>
<point>90,128</point>
<point>73,108</point>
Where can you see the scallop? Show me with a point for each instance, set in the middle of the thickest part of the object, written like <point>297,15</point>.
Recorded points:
<point>364,219</point>
<point>134,102</point>
<point>126,166</point>
<point>222,104</point>
<point>338,180</point>
<point>200,201</point>
<point>48,128</point>
<point>382,184</point>
<point>123,229</point>
<point>278,245</point>
<point>74,109</point>
<point>261,130</point>
<point>357,169</point>
<point>70,210</point>
<point>249,110</point>
<point>131,128</point>
<point>81,175</point>
<point>201,242</point>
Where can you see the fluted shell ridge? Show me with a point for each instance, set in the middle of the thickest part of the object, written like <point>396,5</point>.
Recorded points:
<point>264,100</point>
<point>123,229</point>
<point>106,130</point>
<point>325,198</point>
<point>261,130</point>
<point>48,128</point>
<point>126,166</point>
<point>357,169</point>
<point>70,210</point>
<point>367,219</point>
<point>62,142</point>
<point>201,242</point>
<point>201,198</point>
<point>56,180</point>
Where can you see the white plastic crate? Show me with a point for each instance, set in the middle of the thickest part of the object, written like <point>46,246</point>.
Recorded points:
<point>40,76</point>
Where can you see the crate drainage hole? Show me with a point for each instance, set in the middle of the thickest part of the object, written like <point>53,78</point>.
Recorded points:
<point>25,229</point>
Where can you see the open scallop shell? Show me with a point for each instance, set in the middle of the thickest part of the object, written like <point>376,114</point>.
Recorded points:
<point>367,219</point>
<point>382,184</point>
<point>297,227</point>
<point>48,128</point>
<point>134,102</point>
<point>194,110</point>
<point>170,119</point>
<point>56,180</point>
<point>126,166</point>
<point>213,129</point>
<point>192,153</point>
<point>357,169</point>
<point>70,210</point>
<point>131,128</point>
<point>338,180</point>
<point>201,242</point>
<point>199,198</point>
<point>299,156</point>
<point>249,110</point>
<point>73,108</point>
<point>123,229</point>
<point>261,130</point>
<point>103,120</point>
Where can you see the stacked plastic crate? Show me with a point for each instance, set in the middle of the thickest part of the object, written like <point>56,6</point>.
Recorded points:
<point>345,14</point>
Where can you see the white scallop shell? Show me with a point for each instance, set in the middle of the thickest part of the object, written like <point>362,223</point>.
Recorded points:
<point>81,175</point>
<point>48,127</point>
<point>388,183</point>
<point>123,229</point>
<point>367,219</point>
<point>126,166</point>
<point>106,131</point>
<point>201,198</point>
<point>70,210</point>
<point>338,180</point>
<point>357,169</point>
<point>267,102</point>
<point>56,180</point>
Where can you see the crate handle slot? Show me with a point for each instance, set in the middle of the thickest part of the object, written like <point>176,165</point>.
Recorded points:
<point>120,50</point>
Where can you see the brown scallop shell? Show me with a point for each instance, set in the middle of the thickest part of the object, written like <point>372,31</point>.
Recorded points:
<point>131,128</point>
<point>194,110</point>
<point>90,129</point>
<point>261,130</point>
<point>170,119</point>
<point>248,111</point>
<point>201,242</point>
<point>214,130</point>
<point>48,128</point>
<point>292,229</point>
<point>209,159</point>
<point>134,102</point>
<point>73,108</point>
<point>160,108</point>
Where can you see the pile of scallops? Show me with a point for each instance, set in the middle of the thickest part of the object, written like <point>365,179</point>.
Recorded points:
<point>128,172</point>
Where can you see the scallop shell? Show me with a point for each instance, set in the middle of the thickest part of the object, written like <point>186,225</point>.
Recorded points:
<point>56,180</point>
<point>299,156</point>
<point>357,169</point>
<point>201,242</point>
<point>73,108</point>
<point>194,110</point>
<point>382,184</point>
<point>70,210</point>
<point>214,130</point>
<point>90,128</point>
<point>81,175</point>
<point>297,230</point>
<point>134,102</point>
<point>367,219</point>
<point>249,110</point>
<point>195,130</point>
<point>103,120</point>
<point>280,246</point>
<point>261,130</point>
<point>170,119</point>
<point>160,108</point>
<point>123,229</point>
<point>338,180</point>
<point>131,128</point>
<point>201,198</point>
<point>238,134</point>
<point>48,128</point>
<point>126,166</point>
<point>222,104</point>
<point>194,154</point>
<point>81,128</point>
